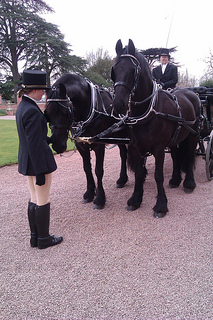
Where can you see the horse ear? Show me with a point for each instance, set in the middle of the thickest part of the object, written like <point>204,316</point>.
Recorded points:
<point>62,90</point>
<point>118,46</point>
<point>131,47</point>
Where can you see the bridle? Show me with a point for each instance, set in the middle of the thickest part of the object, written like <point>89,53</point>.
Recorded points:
<point>137,71</point>
<point>68,107</point>
<point>152,97</point>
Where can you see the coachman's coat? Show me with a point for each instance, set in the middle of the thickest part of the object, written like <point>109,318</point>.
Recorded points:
<point>169,78</point>
<point>35,156</point>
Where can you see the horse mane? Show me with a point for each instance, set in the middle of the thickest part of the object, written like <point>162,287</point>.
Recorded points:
<point>77,87</point>
<point>144,64</point>
<point>70,79</point>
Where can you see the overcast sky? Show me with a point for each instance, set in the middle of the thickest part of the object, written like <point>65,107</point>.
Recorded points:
<point>92,24</point>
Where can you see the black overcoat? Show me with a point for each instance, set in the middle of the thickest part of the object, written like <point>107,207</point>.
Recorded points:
<point>169,78</point>
<point>35,156</point>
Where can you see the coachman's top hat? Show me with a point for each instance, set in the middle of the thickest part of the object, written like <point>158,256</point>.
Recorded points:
<point>164,52</point>
<point>34,79</point>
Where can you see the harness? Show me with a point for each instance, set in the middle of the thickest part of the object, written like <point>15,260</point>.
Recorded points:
<point>78,127</point>
<point>151,112</point>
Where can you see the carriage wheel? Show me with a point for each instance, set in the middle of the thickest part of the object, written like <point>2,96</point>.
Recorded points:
<point>209,157</point>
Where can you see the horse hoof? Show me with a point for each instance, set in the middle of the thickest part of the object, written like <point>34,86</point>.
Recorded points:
<point>98,206</point>
<point>172,185</point>
<point>187,190</point>
<point>87,200</point>
<point>120,185</point>
<point>159,214</point>
<point>131,208</point>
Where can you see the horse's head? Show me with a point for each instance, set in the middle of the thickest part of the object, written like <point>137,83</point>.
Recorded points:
<point>129,69</point>
<point>124,74</point>
<point>59,114</point>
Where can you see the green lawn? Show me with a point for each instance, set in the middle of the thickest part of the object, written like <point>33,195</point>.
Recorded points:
<point>9,142</point>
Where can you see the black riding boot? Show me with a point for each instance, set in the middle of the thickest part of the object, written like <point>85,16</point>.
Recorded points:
<point>42,220</point>
<point>31,218</point>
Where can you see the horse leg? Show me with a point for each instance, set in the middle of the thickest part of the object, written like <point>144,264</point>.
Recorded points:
<point>189,147</point>
<point>123,173</point>
<point>85,154</point>
<point>175,181</point>
<point>100,198</point>
<point>140,176</point>
<point>160,209</point>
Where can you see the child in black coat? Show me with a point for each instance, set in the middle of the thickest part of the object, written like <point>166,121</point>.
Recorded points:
<point>35,158</point>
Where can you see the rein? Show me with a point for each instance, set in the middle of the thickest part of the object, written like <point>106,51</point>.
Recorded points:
<point>156,88</point>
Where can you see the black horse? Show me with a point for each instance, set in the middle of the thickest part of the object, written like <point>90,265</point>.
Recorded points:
<point>74,103</point>
<point>157,119</point>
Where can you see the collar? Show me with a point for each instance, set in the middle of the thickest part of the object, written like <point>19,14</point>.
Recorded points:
<point>163,67</point>
<point>25,95</point>
<point>32,101</point>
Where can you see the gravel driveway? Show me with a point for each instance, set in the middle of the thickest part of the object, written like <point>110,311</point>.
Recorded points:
<point>113,264</point>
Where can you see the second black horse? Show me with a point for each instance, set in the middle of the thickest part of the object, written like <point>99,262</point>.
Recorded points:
<point>157,119</point>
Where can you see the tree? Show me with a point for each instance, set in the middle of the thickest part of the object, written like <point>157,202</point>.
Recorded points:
<point>209,61</point>
<point>7,88</point>
<point>25,37</point>
<point>99,67</point>
<point>49,51</point>
<point>96,78</point>
<point>152,55</point>
<point>77,64</point>
<point>207,79</point>
<point>17,18</point>
<point>207,83</point>
<point>185,81</point>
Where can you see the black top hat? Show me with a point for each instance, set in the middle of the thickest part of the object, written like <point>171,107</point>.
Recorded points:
<point>34,79</point>
<point>164,52</point>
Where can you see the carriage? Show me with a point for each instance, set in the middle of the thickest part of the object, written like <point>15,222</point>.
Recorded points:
<point>205,147</point>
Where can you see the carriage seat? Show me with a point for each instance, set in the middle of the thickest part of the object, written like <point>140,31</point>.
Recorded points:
<point>199,90</point>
